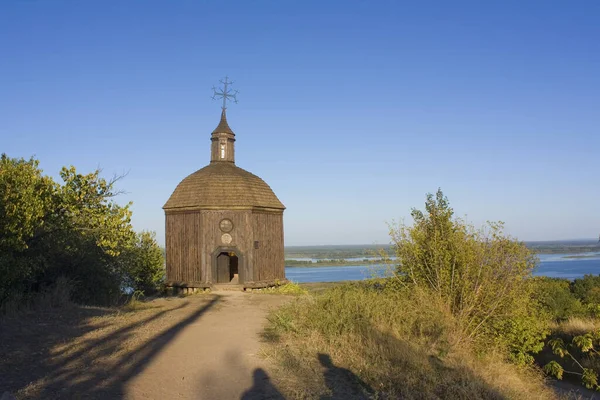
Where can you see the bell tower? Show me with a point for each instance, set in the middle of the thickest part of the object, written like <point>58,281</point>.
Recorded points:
<point>222,148</point>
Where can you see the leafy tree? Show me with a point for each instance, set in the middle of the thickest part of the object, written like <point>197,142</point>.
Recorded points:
<point>145,264</point>
<point>74,230</point>
<point>555,296</point>
<point>481,275</point>
<point>26,199</point>
<point>587,289</point>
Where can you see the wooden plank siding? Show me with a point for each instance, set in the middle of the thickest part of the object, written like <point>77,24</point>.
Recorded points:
<point>194,237</point>
<point>183,255</point>
<point>269,257</point>
<point>240,234</point>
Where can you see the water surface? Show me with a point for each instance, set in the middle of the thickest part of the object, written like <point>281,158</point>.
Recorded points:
<point>552,265</point>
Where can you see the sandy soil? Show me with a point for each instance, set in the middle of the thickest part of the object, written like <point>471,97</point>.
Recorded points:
<point>198,347</point>
<point>214,357</point>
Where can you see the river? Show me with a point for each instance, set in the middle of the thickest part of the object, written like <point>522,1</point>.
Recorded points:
<point>552,265</point>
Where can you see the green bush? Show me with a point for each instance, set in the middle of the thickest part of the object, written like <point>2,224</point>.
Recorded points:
<point>578,357</point>
<point>482,276</point>
<point>555,297</point>
<point>73,230</point>
<point>145,264</point>
<point>587,289</point>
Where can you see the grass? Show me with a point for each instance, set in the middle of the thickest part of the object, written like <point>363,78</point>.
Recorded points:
<point>576,326</point>
<point>289,288</point>
<point>354,341</point>
<point>57,295</point>
<point>319,287</point>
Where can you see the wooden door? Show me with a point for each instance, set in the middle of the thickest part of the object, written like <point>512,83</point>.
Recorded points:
<point>223,268</point>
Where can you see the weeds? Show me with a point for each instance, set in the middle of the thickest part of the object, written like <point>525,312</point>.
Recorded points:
<point>576,326</point>
<point>54,296</point>
<point>401,343</point>
<point>289,288</point>
<point>134,303</point>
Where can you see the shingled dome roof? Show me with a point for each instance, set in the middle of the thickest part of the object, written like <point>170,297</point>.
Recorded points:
<point>222,185</point>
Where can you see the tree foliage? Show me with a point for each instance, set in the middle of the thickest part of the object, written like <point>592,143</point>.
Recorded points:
<point>556,298</point>
<point>26,199</point>
<point>481,275</point>
<point>587,289</point>
<point>72,229</point>
<point>145,264</point>
<point>579,346</point>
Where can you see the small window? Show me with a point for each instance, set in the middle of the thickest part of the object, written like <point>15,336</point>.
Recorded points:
<point>222,151</point>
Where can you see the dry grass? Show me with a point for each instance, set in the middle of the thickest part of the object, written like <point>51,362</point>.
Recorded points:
<point>576,326</point>
<point>289,288</point>
<point>318,287</point>
<point>385,345</point>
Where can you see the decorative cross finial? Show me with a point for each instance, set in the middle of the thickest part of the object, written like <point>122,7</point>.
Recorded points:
<point>224,93</point>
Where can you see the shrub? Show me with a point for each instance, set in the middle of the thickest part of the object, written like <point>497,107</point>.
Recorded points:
<point>587,289</point>
<point>581,351</point>
<point>555,297</point>
<point>73,230</point>
<point>397,341</point>
<point>482,276</point>
<point>145,264</point>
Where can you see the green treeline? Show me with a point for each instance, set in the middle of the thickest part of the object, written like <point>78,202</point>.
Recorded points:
<point>70,232</point>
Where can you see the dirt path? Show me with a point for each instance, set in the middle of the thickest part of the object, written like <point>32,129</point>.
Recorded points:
<point>197,347</point>
<point>213,357</point>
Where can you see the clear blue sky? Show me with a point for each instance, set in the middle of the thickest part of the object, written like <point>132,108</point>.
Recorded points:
<point>352,111</point>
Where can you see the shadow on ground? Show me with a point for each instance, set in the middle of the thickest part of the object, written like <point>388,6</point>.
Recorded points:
<point>31,365</point>
<point>380,366</point>
<point>341,384</point>
<point>262,387</point>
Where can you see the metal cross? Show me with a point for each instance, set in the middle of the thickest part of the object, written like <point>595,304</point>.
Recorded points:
<point>224,93</point>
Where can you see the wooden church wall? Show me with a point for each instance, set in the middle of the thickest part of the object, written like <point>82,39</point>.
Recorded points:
<point>190,235</point>
<point>269,256</point>
<point>183,256</point>
<point>240,235</point>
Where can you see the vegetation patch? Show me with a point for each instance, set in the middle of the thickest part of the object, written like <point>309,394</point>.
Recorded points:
<point>72,231</point>
<point>458,319</point>
<point>571,352</point>
<point>362,340</point>
<point>289,288</point>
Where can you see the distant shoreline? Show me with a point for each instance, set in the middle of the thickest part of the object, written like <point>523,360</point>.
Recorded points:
<point>333,263</point>
<point>367,255</point>
<point>591,255</point>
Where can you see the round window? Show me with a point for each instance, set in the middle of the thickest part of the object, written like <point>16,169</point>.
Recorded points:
<point>226,225</point>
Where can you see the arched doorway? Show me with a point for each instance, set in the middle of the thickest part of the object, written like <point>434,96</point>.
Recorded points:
<point>227,267</point>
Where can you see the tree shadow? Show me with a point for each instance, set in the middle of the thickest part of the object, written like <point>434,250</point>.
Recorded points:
<point>78,373</point>
<point>26,340</point>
